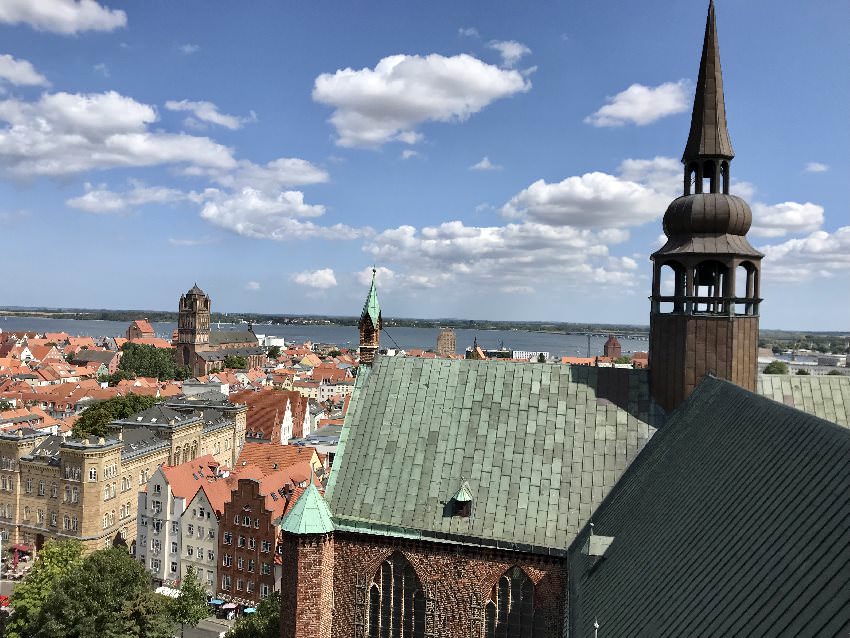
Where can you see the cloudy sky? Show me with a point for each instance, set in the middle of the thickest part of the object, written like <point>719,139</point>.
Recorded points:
<point>492,160</point>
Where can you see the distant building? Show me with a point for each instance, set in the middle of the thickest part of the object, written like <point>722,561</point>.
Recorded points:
<point>140,329</point>
<point>203,350</point>
<point>446,342</point>
<point>612,348</point>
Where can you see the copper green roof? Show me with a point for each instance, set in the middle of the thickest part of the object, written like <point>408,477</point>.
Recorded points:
<point>309,515</point>
<point>538,444</point>
<point>372,308</point>
<point>827,396</point>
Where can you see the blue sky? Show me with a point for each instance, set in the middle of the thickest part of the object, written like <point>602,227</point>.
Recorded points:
<point>493,160</point>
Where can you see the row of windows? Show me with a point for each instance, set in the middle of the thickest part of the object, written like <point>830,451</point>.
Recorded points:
<point>7,483</point>
<point>241,563</point>
<point>7,464</point>
<point>251,543</point>
<point>241,585</point>
<point>190,551</point>
<point>190,530</point>
<point>246,521</point>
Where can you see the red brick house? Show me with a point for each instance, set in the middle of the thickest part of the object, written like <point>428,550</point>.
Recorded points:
<point>140,329</point>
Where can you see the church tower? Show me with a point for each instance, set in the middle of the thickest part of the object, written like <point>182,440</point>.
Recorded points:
<point>705,279</point>
<point>193,325</point>
<point>370,325</point>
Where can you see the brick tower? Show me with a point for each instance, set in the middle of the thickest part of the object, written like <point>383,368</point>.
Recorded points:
<point>306,588</point>
<point>705,283</point>
<point>193,325</point>
<point>370,326</point>
<point>612,347</point>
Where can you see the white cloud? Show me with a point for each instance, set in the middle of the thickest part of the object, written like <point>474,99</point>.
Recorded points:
<point>275,175</point>
<point>642,105</point>
<point>62,16</point>
<point>816,167</point>
<point>375,106</point>
<point>510,50</point>
<point>191,241</point>
<point>468,32</point>
<point>101,68</point>
<point>253,286</point>
<point>592,200</point>
<point>67,133</point>
<point>820,254</point>
<point>102,200</point>
<point>662,174</point>
<point>253,213</point>
<point>408,153</point>
<point>189,49</point>
<point>321,279</point>
<point>384,277</point>
<point>208,112</point>
<point>20,72</point>
<point>786,218</point>
<point>485,165</point>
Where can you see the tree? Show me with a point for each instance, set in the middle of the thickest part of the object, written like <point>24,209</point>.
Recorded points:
<point>94,419</point>
<point>235,361</point>
<point>541,358</point>
<point>623,359</point>
<point>54,561</point>
<point>803,372</point>
<point>5,405</point>
<point>334,353</point>
<point>776,367</point>
<point>142,360</point>
<point>190,607</point>
<point>274,352</point>
<point>264,623</point>
<point>107,595</point>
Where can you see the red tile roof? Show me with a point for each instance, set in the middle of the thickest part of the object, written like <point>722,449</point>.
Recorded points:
<point>271,457</point>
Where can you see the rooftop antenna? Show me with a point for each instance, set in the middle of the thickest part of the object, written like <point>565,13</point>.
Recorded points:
<point>595,628</point>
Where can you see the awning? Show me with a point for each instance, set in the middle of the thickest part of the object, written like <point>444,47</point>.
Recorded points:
<point>216,601</point>
<point>249,610</point>
<point>229,606</point>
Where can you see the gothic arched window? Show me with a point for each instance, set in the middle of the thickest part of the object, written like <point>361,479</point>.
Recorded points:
<point>396,601</point>
<point>510,611</point>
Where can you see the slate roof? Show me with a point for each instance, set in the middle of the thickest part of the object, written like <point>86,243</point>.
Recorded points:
<point>222,337</point>
<point>539,445</point>
<point>825,396</point>
<point>97,356</point>
<point>733,520</point>
<point>221,355</point>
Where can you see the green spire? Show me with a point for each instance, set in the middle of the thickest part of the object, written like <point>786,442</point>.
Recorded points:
<point>372,307</point>
<point>309,515</point>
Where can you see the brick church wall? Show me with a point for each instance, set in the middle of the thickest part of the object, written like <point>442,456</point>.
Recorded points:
<point>458,579</point>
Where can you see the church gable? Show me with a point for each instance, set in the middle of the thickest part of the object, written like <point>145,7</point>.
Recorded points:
<point>538,446</point>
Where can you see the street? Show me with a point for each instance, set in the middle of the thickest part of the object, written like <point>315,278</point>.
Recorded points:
<point>208,628</point>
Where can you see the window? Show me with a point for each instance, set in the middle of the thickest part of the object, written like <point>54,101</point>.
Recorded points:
<point>250,587</point>
<point>228,538</point>
<point>239,584</point>
<point>266,569</point>
<point>396,601</point>
<point>157,507</point>
<point>210,575</point>
<point>173,547</point>
<point>173,568</point>
<point>200,532</point>
<point>266,546</point>
<point>67,493</point>
<point>510,610</point>
<point>157,489</point>
<point>29,486</point>
<point>41,488</point>
<point>27,513</point>
<point>211,533</point>
<point>106,493</point>
<point>155,564</point>
<point>264,590</point>
<point>189,550</point>
<point>201,512</point>
<point>225,582</point>
<point>75,494</point>
<point>53,519</point>
<point>40,515</point>
<point>200,553</point>
<point>75,523</point>
<point>93,474</point>
<point>175,527</point>
<point>250,565</point>
<point>257,523</point>
<point>241,541</point>
<point>252,543</point>
<point>210,555</point>
<point>246,520</point>
<point>227,561</point>
<point>155,545</point>
<point>240,563</point>
<point>236,520</point>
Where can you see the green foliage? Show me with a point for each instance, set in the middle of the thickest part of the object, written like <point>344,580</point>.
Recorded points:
<point>803,372</point>
<point>55,560</point>
<point>106,595</point>
<point>94,419</point>
<point>141,360</point>
<point>118,375</point>
<point>623,359</point>
<point>265,623</point>
<point>235,361</point>
<point>776,367</point>
<point>274,352</point>
<point>334,353</point>
<point>541,358</point>
<point>5,404</point>
<point>190,607</point>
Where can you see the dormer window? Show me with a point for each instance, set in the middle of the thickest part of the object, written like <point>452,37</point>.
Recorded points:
<point>461,503</point>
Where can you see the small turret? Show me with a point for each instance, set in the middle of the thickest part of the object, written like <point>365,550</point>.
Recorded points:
<point>370,325</point>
